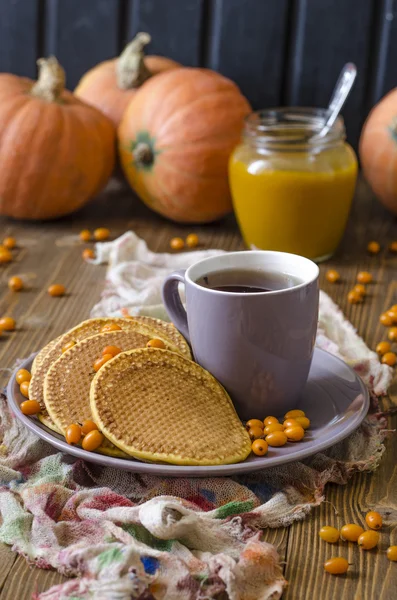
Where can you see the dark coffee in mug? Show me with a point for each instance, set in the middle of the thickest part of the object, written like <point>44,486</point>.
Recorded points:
<point>247,281</point>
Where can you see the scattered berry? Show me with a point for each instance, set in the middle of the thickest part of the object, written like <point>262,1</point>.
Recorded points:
<point>269,420</point>
<point>373,247</point>
<point>22,375</point>
<point>30,407</point>
<point>360,289</point>
<point>111,327</point>
<point>392,334</point>
<point>259,447</point>
<point>292,414</point>
<point>373,519</point>
<point>253,423</point>
<point>92,440</point>
<point>274,427</point>
<point>351,532</point>
<point>113,350</point>
<point>393,246</point>
<point>68,346</point>
<point>332,276</point>
<point>177,243</point>
<point>88,254</point>
<point>255,433</point>
<point>101,361</point>
<point>391,553</point>
<point>192,240</point>
<point>368,540</point>
<point>85,235</point>
<point>294,434</point>
<point>354,297</point>
<point>386,320</point>
<point>9,243</point>
<point>56,290</point>
<point>329,534</point>
<point>5,255</point>
<point>276,439</point>
<point>88,426</point>
<point>7,324</point>
<point>73,434</point>
<point>383,347</point>
<point>303,422</point>
<point>24,388</point>
<point>364,277</point>
<point>156,343</point>
<point>101,234</point>
<point>336,565</point>
<point>15,283</point>
<point>389,359</point>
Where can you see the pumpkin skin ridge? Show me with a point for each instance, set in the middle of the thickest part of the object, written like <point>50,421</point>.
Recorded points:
<point>28,197</point>
<point>187,108</point>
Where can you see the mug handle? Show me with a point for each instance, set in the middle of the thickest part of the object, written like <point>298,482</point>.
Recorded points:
<point>173,304</point>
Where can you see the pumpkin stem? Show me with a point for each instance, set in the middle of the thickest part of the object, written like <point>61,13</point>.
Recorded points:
<point>143,154</point>
<point>51,80</point>
<point>131,70</point>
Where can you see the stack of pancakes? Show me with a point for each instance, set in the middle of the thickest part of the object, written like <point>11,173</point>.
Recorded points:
<point>151,404</point>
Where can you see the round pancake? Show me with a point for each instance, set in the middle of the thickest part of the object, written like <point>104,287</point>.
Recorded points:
<point>158,406</point>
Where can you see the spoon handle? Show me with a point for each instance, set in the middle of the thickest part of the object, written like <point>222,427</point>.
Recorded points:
<point>340,93</point>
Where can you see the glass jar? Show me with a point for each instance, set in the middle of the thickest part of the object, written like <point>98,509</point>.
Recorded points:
<point>292,192</point>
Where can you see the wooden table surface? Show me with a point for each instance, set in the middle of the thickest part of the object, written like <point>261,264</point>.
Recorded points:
<point>45,253</point>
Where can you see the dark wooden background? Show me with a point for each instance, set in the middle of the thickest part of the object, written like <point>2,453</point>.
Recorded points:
<point>280,52</point>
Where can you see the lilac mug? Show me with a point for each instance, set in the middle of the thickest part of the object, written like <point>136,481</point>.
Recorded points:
<point>259,346</point>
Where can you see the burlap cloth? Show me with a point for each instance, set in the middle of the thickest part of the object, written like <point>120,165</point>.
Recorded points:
<point>123,536</point>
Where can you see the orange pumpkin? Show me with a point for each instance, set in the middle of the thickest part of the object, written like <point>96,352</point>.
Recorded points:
<point>175,140</point>
<point>55,151</point>
<point>111,84</point>
<point>378,150</point>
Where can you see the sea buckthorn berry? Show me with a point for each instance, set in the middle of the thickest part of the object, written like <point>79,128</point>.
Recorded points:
<point>9,243</point>
<point>92,440</point>
<point>392,334</point>
<point>290,423</point>
<point>101,361</point>
<point>292,414</point>
<point>101,234</point>
<point>393,246</point>
<point>111,327</point>
<point>85,235</point>
<point>294,434</point>
<point>7,324</point>
<point>332,276</point>
<point>368,540</point>
<point>274,427</point>
<point>269,420</point>
<point>360,289</point>
<point>88,254</point>
<point>276,439</point>
<point>364,277</point>
<point>336,565</point>
<point>389,359</point>
<point>22,375</point>
<point>259,447</point>
<point>156,343</point>
<point>56,290</point>
<point>392,314</point>
<point>5,255</point>
<point>373,519</point>
<point>329,534</point>
<point>386,320</point>
<point>73,433</point>
<point>177,243</point>
<point>15,283</point>
<point>351,532</point>
<point>394,307</point>
<point>354,297</point>
<point>254,423</point>
<point>255,432</point>
<point>383,347</point>
<point>88,426</point>
<point>303,422</point>
<point>192,240</point>
<point>391,553</point>
<point>113,350</point>
<point>68,346</point>
<point>24,388</point>
<point>373,247</point>
<point>30,407</point>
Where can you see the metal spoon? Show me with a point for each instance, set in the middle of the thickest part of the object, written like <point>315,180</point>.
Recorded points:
<point>338,98</point>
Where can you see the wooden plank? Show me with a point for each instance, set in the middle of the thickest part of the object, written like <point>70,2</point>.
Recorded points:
<point>7,559</point>
<point>325,36</point>
<point>175,27</point>
<point>19,36</point>
<point>246,43</point>
<point>24,581</point>
<point>81,34</point>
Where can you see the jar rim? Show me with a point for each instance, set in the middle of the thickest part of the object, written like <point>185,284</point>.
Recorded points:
<point>292,127</point>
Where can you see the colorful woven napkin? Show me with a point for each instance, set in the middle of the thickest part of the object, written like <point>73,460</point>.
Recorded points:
<point>123,536</point>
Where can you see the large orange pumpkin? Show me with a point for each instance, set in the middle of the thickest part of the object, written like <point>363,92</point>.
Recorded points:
<point>175,140</point>
<point>378,150</point>
<point>111,84</point>
<point>55,151</point>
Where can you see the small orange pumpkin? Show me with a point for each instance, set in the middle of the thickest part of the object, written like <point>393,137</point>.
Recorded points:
<point>56,152</point>
<point>111,84</point>
<point>175,140</point>
<point>378,150</point>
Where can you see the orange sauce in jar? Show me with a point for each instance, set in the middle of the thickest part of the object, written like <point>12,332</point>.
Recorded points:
<point>291,193</point>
